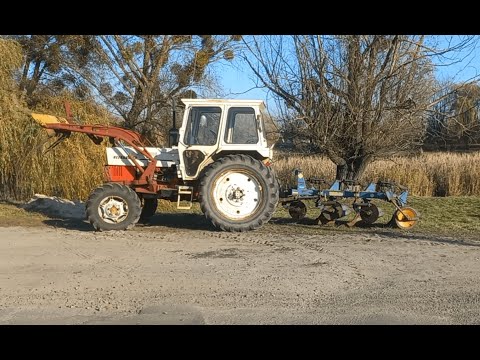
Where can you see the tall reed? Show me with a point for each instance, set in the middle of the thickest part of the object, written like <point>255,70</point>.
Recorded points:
<point>426,174</point>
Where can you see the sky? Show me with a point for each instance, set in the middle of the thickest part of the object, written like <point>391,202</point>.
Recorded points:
<point>238,81</point>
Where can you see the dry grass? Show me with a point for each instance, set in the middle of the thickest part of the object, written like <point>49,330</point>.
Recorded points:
<point>12,215</point>
<point>427,174</point>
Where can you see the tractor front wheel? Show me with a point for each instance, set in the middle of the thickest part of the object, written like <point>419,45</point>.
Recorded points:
<point>238,193</point>
<point>113,207</point>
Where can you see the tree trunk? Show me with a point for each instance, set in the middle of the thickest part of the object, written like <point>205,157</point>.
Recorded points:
<point>342,171</point>
<point>33,81</point>
<point>138,105</point>
<point>24,80</point>
<point>352,169</point>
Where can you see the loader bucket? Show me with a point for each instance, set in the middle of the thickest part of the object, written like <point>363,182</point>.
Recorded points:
<point>43,119</point>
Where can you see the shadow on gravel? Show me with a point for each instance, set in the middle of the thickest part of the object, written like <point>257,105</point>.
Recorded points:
<point>180,221</point>
<point>386,230</point>
<point>177,221</point>
<point>338,223</point>
<point>69,224</point>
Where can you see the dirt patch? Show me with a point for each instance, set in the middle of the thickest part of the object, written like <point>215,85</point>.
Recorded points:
<point>221,254</point>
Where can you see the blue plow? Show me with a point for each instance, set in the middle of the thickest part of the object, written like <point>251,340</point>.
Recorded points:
<point>327,199</point>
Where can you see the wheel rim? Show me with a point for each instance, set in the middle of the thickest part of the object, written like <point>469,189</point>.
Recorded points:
<point>237,194</point>
<point>369,214</point>
<point>297,210</point>
<point>406,218</point>
<point>113,209</point>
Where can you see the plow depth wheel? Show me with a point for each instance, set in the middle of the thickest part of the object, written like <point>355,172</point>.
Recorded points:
<point>297,210</point>
<point>406,218</point>
<point>369,214</point>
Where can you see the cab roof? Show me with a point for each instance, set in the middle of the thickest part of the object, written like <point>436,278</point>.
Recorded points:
<point>231,102</point>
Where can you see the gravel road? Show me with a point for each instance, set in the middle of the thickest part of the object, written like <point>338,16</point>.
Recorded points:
<point>180,271</point>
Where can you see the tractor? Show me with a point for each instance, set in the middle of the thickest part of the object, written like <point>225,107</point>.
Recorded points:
<point>219,157</point>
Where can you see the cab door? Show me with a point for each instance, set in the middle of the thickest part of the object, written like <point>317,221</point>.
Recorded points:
<point>199,138</point>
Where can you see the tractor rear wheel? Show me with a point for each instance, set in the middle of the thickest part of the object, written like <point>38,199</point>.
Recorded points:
<point>238,193</point>
<point>113,207</point>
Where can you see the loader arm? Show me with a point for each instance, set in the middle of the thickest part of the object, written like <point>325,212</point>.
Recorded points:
<point>96,132</point>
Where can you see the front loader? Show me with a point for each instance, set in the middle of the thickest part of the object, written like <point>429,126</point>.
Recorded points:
<point>219,157</point>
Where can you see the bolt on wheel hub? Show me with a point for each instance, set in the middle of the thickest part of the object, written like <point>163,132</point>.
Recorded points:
<point>237,194</point>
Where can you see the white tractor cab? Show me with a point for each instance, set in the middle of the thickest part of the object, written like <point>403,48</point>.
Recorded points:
<point>224,162</point>
<point>215,128</point>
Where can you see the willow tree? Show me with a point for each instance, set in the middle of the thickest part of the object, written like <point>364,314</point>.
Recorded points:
<point>42,58</point>
<point>361,97</point>
<point>454,120</point>
<point>463,125</point>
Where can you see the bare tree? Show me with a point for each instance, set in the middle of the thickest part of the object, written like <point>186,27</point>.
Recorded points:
<point>465,124</point>
<point>43,72</point>
<point>362,97</point>
<point>137,75</point>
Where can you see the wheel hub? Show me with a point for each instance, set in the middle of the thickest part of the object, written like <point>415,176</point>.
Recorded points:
<point>237,194</point>
<point>113,209</point>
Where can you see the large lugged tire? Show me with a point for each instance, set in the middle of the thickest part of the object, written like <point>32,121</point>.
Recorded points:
<point>113,207</point>
<point>238,193</point>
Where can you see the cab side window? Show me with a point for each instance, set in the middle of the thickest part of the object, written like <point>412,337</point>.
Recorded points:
<point>241,126</point>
